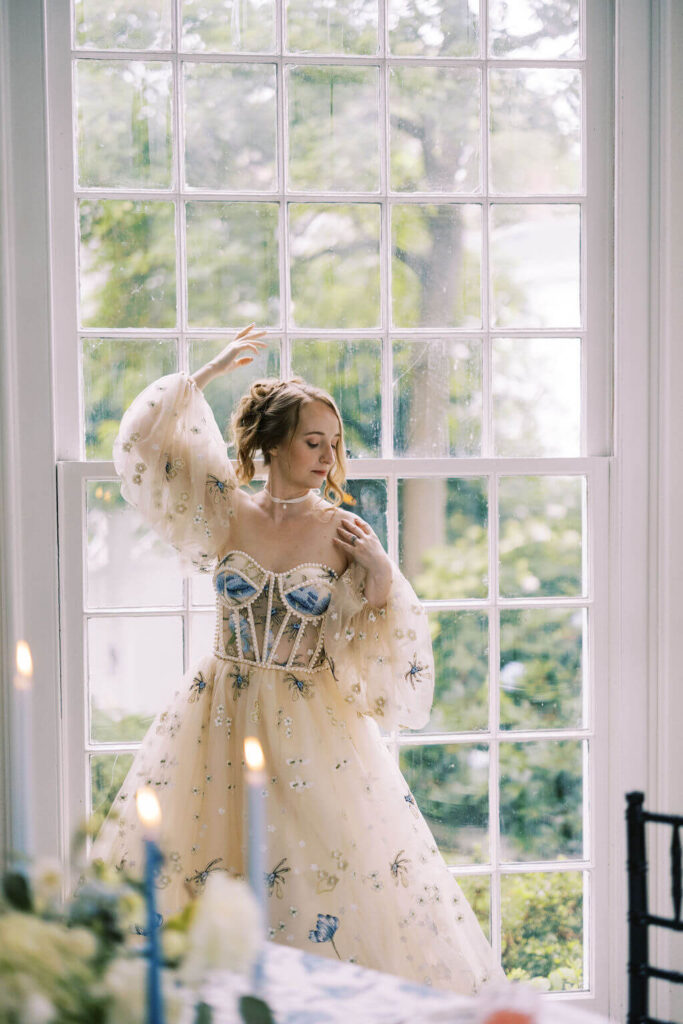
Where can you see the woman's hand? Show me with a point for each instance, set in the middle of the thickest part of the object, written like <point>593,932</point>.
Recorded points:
<point>361,544</point>
<point>240,351</point>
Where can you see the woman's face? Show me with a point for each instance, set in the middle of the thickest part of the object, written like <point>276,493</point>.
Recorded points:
<point>306,461</point>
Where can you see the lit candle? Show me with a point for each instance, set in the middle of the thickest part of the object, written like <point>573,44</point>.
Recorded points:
<point>149,813</point>
<point>256,780</point>
<point>22,754</point>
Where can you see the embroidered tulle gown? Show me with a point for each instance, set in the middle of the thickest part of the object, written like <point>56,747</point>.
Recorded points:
<point>303,662</point>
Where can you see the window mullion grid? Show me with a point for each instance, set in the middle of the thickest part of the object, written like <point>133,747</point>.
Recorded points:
<point>487,377</point>
<point>385,271</point>
<point>282,120</point>
<point>358,60</point>
<point>494,718</point>
<point>181,271</point>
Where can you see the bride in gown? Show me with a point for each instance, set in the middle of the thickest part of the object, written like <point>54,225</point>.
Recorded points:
<point>319,641</point>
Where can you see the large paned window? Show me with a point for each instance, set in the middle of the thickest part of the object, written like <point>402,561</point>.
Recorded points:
<point>407,196</point>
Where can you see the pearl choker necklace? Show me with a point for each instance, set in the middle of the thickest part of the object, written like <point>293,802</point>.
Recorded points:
<point>286,501</point>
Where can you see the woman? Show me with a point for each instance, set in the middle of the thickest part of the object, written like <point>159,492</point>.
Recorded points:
<point>318,639</point>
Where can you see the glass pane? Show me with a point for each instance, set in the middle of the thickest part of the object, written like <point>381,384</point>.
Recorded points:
<point>232,264</point>
<point>443,536</point>
<point>541,668</point>
<point>437,388</point>
<point>477,892</point>
<point>123,24</point>
<point>127,263</point>
<point>368,499</point>
<point>535,140</point>
<point>228,26</point>
<point>332,26</point>
<point>333,128</point>
<point>461,663</point>
<point>450,785</point>
<point>223,393</point>
<point>443,28</point>
<point>536,396</point>
<point>351,371</point>
<point>134,667</point>
<point>436,265</point>
<point>230,126</point>
<point>431,153</point>
<point>107,773</point>
<point>335,264</point>
<point>202,635</point>
<point>124,111</point>
<point>114,372</point>
<point>543,928</point>
<point>527,28</point>
<point>535,265</point>
<point>541,526</point>
<point>541,800</point>
<point>202,590</point>
<point>128,565</point>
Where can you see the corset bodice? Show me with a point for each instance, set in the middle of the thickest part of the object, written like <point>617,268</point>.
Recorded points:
<point>271,619</point>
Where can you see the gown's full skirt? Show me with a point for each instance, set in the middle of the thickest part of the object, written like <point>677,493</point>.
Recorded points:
<point>344,835</point>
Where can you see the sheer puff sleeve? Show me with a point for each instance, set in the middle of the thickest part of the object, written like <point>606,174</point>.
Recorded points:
<point>175,469</point>
<point>381,657</point>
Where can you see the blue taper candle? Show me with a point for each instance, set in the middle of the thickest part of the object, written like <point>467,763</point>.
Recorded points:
<point>256,781</point>
<point>149,813</point>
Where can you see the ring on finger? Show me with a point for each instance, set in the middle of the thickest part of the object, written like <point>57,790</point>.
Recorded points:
<point>353,539</point>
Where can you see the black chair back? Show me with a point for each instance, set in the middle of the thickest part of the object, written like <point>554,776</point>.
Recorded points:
<point>640,970</point>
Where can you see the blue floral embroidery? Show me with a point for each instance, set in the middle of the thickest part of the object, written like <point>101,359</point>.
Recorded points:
<point>201,876</point>
<point>275,879</point>
<point>218,489</point>
<point>245,633</point>
<point>325,930</point>
<point>232,585</point>
<point>197,688</point>
<point>292,629</point>
<point>299,687</point>
<point>240,680</point>
<point>308,600</point>
<point>399,868</point>
<point>414,671</point>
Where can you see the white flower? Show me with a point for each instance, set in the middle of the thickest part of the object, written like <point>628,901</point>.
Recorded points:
<point>37,1010</point>
<point>225,932</point>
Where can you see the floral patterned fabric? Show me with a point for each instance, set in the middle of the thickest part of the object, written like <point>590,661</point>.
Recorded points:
<point>304,663</point>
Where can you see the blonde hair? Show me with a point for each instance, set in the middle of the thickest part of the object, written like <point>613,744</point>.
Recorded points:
<point>268,415</point>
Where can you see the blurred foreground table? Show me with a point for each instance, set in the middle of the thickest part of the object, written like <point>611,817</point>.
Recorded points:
<point>302,988</point>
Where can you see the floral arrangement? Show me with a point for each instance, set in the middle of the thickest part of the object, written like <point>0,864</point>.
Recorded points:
<point>83,961</point>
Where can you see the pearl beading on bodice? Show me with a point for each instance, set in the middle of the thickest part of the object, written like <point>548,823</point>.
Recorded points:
<point>268,619</point>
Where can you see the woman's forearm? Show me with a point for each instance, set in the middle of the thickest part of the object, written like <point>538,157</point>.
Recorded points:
<point>378,585</point>
<point>205,375</point>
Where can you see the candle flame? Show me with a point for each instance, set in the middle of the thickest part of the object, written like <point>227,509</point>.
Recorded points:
<point>253,754</point>
<point>24,659</point>
<point>24,677</point>
<point>148,807</point>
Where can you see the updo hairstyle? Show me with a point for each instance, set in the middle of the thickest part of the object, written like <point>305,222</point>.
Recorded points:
<point>268,415</point>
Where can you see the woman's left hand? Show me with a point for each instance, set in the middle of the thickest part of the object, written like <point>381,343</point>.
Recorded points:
<point>361,544</point>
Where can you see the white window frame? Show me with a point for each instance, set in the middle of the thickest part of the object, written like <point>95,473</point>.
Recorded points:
<point>596,413</point>
<point>644,487</point>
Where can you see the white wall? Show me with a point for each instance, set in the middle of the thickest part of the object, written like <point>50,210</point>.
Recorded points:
<point>28,531</point>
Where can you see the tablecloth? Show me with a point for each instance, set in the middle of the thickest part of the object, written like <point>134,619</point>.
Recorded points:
<point>302,988</point>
